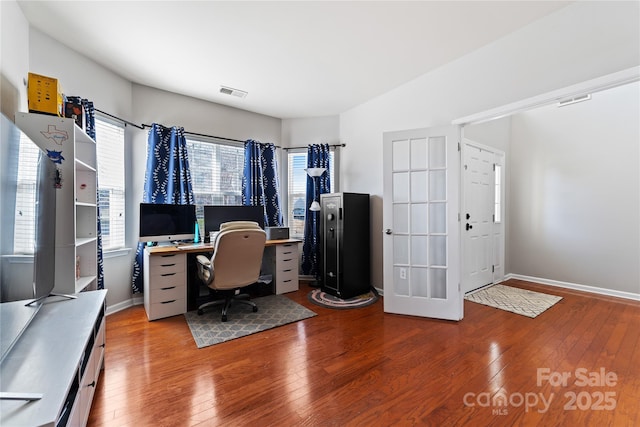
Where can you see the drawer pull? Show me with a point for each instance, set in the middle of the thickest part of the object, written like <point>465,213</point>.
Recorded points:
<point>286,253</point>
<point>167,265</point>
<point>285,281</point>
<point>168,256</point>
<point>168,302</point>
<point>287,260</point>
<point>286,271</point>
<point>168,274</point>
<point>166,289</point>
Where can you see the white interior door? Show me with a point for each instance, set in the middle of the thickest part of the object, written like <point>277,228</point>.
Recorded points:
<point>420,223</point>
<point>482,230</point>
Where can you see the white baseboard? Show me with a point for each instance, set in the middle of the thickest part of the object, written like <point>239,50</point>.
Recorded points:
<point>576,286</point>
<point>125,304</point>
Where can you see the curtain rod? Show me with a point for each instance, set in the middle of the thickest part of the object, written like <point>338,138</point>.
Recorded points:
<point>330,145</point>
<point>145,126</point>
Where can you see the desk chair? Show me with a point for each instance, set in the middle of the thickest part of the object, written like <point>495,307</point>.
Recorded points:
<point>236,262</point>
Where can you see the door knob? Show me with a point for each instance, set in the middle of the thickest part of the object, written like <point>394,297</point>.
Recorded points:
<point>469,227</point>
<point>387,231</point>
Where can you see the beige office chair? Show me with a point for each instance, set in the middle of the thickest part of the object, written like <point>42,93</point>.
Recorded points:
<point>236,262</point>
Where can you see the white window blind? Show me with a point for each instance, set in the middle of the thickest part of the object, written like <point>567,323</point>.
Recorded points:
<point>297,190</point>
<point>110,157</point>
<point>23,237</point>
<point>216,173</point>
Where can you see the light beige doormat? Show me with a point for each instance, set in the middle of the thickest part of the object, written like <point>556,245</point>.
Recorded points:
<point>516,300</point>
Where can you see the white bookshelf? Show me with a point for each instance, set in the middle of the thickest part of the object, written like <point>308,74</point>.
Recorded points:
<point>76,199</point>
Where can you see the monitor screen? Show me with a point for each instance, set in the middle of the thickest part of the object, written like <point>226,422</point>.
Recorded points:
<point>166,223</point>
<point>216,215</point>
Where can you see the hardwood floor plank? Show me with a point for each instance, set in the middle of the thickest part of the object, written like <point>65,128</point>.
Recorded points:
<point>365,367</point>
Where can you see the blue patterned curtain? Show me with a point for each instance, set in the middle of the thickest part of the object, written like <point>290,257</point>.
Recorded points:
<point>260,181</point>
<point>167,180</point>
<point>317,157</point>
<point>90,129</point>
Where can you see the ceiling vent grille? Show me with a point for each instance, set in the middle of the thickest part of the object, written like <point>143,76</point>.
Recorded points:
<point>575,100</point>
<point>233,92</point>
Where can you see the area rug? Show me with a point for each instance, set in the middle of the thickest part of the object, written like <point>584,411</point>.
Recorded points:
<point>323,299</point>
<point>273,311</point>
<point>516,300</point>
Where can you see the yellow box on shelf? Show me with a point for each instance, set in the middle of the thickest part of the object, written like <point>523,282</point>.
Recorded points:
<point>45,95</point>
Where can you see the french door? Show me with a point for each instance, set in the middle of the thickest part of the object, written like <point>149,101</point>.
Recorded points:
<point>421,244</point>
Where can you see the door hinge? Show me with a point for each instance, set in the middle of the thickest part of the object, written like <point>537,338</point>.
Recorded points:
<point>493,218</point>
<point>458,216</point>
<point>494,167</point>
<point>458,146</point>
<point>493,268</point>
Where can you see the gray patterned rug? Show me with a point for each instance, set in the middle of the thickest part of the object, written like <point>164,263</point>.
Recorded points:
<point>273,311</point>
<point>516,300</point>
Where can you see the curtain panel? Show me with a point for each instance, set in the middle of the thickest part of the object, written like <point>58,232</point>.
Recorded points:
<point>167,180</point>
<point>317,157</point>
<point>260,183</point>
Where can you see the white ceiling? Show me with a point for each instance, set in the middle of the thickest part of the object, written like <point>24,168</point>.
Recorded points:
<point>294,58</point>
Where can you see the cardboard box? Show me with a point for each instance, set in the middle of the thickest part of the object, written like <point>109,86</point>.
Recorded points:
<point>45,95</point>
<point>74,109</point>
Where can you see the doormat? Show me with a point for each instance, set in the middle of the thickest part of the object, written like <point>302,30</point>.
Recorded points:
<point>324,299</point>
<point>273,310</point>
<point>516,300</point>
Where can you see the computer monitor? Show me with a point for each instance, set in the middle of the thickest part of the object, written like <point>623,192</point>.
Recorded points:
<point>166,223</point>
<point>216,215</point>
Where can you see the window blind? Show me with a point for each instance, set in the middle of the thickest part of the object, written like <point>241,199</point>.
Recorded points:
<point>111,179</point>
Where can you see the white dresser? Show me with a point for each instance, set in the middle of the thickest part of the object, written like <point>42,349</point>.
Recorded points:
<point>165,284</point>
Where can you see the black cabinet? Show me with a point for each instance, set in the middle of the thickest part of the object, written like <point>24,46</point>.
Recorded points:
<point>344,250</point>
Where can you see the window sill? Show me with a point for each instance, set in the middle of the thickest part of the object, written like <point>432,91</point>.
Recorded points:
<point>114,253</point>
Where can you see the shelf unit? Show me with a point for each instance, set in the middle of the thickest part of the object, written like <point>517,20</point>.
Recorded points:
<point>76,199</point>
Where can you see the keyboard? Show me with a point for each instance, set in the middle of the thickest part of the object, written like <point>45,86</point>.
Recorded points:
<point>194,246</point>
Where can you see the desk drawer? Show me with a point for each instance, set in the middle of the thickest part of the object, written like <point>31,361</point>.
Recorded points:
<point>167,309</point>
<point>169,293</point>
<point>287,252</point>
<point>159,264</point>
<point>166,280</point>
<point>286,281</point>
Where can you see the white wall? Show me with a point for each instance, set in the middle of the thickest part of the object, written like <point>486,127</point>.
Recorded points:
<point>14,59</point>
<point>580,42</point>
<point>574,207</point>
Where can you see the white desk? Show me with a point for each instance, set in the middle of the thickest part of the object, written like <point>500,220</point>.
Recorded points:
<point>166,276</point>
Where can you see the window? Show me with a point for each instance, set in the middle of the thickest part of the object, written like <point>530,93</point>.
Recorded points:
<point>497,206</point>
<point>110,156</point>
<point>23,237</point>
<point>216,173</point>
<point>297,162</point>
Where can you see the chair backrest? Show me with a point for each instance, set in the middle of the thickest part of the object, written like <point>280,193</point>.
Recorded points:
<point>237,255</point>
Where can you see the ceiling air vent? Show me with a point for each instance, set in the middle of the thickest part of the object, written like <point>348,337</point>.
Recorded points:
<point>575,100</point>
<point>234,92</point>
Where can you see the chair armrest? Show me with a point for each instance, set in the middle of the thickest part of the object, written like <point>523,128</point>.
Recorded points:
<point>206,262</point>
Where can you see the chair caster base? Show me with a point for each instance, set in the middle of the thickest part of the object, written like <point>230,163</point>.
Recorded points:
<point>255,309</point>
<point>224,317</point>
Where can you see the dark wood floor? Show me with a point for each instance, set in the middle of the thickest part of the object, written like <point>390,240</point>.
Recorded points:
<point>364,367</point>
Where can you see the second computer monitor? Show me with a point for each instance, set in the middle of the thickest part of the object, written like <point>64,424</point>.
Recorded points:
<point>218,214</point>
